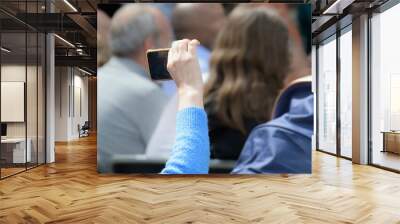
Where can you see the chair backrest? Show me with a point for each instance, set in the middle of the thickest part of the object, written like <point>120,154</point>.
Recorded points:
<point>282,145</point>
<point>281,101</point>
<point>86,124</point>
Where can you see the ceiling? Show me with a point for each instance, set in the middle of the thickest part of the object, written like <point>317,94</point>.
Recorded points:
<point>75,22</point>
<point>332,15</point>
<point>22,23</point>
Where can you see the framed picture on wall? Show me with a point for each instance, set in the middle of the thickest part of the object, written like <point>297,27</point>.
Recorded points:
<point>12,101</point>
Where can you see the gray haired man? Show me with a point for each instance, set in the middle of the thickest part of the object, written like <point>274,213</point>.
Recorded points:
<point>129,104</point>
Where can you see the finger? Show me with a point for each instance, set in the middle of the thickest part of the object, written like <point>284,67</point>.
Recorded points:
<point>172,54</point>
<point>192,46</point>
<point>174,51</point>
<point>195,41</point>
<point>174,47</point>
<point>183,45</point>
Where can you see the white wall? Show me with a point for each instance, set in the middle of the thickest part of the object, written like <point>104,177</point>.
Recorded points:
<point>14,72</point>
<point>70,83</point>
<point>80,89</point>
<point>62,81</point>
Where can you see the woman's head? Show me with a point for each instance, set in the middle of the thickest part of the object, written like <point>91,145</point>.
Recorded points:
<point>248,66</point>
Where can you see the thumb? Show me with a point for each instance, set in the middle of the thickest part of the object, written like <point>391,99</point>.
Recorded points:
<point>193,46</point>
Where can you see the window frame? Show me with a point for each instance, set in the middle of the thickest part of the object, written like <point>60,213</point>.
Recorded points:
<point>379,10</point>
<point>334,37</point>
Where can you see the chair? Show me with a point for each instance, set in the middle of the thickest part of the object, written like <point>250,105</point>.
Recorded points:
<point>84,130</point>
<point>144,165</point>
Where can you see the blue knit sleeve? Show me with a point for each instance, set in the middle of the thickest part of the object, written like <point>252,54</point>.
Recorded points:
<point>191,151</point>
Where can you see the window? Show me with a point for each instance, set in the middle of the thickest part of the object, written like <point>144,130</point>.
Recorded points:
<point>327,96</point>
<point>13,147</point>
<point>346,93</point>
<point>385,89</point>
<point>22,77</point>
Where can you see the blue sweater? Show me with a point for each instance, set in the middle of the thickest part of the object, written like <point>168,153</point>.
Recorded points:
<point>191,151</point>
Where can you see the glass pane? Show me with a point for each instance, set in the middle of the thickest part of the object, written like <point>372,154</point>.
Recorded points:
<point>386,89</point>
<point>41,98</point>
<point>32,86</point>
<point>327,96</point>
<point>23,92</point>
<point>346,94</point>
<point>13,86</point>
<point>31,98</point>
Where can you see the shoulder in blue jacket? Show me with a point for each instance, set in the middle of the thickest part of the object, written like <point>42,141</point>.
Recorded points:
<point>282,145</point>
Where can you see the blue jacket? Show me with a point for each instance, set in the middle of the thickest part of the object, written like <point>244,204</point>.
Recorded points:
<point>282,145</point>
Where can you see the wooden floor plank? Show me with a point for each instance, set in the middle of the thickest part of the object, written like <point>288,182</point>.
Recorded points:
<point>71,191</point>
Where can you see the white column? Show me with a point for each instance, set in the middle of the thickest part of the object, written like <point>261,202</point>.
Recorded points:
<point>50,99</point>
<point>50,92</point>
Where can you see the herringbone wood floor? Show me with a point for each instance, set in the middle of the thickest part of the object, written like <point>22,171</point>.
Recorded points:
<point>71,191</point>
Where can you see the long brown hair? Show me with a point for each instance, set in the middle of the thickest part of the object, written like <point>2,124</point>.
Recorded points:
<point>248,66</point>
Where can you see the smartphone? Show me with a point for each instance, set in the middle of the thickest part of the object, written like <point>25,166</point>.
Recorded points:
<point>157,60</point>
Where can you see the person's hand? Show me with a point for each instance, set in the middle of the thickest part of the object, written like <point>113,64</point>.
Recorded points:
<point>184,68</point>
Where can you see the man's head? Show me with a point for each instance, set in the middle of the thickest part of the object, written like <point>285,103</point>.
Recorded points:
<point>135,28</point>
<point>200,21</point>
<point>103,29</point>
<point>165,36</point>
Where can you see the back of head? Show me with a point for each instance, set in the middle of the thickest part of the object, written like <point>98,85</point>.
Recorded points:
<point>248,66</point>
<point>130,27</point>
<point>103,29</point>
<point>164,35</point>
<point>200,21</point>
